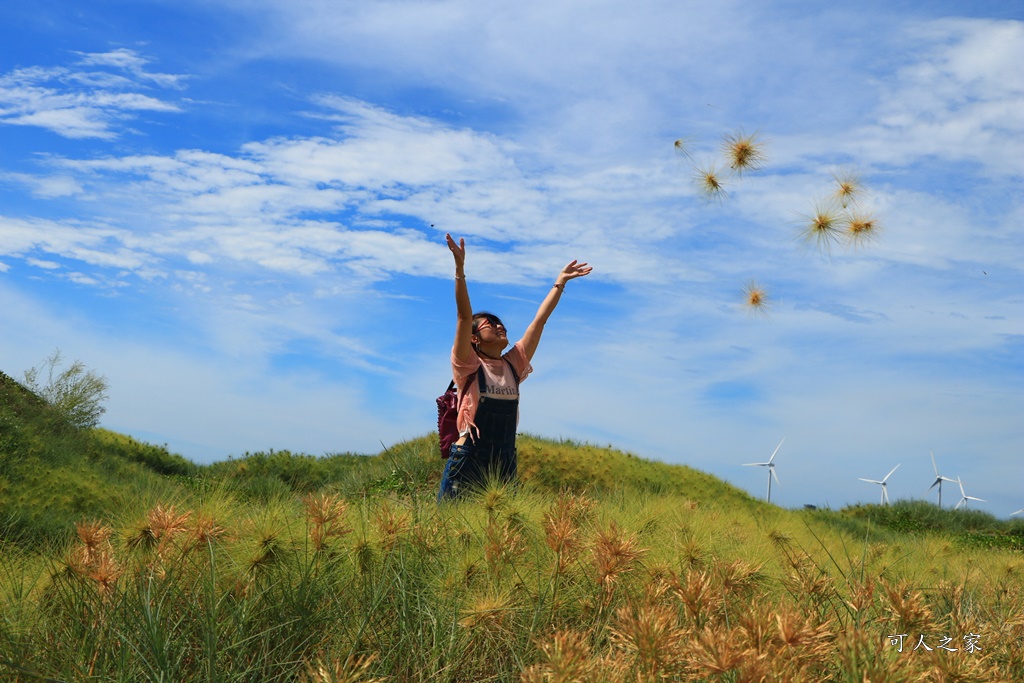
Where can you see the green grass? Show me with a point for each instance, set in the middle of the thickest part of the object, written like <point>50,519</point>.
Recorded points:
<point>476,590</point>
<point>120,561</point>
<point>53,474</point>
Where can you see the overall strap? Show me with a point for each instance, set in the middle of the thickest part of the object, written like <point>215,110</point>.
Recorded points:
<point>481,380</point>
<point>515,375</point>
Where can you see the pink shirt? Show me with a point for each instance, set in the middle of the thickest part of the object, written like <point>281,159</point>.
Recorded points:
<point>498,381</point>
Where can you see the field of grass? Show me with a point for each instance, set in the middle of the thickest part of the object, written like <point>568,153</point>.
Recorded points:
<point>599,566</point>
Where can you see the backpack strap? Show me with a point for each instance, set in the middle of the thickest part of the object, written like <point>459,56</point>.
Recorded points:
<point>469,380</point>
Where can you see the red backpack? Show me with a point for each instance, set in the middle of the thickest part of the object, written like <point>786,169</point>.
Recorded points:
<point>448,409</point>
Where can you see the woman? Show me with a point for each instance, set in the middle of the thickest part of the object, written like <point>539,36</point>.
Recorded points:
<point>488,382</point>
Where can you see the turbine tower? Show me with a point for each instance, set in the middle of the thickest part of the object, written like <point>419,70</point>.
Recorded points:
<point>885,492</point>
<point>965,497</point>
<point>771,468</point>
<point>938,479</point>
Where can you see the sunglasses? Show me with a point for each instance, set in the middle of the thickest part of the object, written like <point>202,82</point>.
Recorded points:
<point>487,323</point>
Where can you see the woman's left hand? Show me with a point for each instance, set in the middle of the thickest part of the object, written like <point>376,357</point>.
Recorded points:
<point>573,270</point>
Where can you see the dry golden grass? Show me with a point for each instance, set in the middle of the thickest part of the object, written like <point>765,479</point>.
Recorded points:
<point>93,557</point>
<point>352,670</point>
<point>392,525</point>
<point>562,531</point>
<point>504,542</point>
<point>565,658</point>
<point>615,553</point>
<point>489,613</point>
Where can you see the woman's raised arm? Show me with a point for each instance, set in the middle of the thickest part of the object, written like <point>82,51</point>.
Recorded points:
<point>532,336</point>
<point>463,348</point>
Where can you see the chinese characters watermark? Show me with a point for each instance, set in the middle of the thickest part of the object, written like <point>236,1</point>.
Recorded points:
<point>968,643</point>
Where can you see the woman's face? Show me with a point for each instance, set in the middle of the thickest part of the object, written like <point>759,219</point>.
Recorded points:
<point>490,331</point>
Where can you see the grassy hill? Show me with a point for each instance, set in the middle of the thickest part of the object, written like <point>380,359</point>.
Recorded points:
<point>53,474</point>
<point>121,561</point>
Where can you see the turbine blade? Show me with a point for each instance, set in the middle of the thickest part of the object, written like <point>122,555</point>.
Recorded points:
<point>776,450</point>
<point>772,470</point>
<point>936,467</point>
<point>891,471</point>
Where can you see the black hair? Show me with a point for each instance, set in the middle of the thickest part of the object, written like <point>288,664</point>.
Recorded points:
<point>489,317</point>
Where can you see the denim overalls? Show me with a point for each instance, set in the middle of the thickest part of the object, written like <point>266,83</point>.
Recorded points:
<point>492,453</point>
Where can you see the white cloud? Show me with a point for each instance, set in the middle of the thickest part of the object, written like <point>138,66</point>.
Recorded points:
<point>46,187</point>
<point>308,204</point>
<point>99,246</point>
<point>70,122</point>
<point>77,104</point>
<point>251,207</point>
<point>47,265</point>
<point>134,63</point>
<point>960,100</point>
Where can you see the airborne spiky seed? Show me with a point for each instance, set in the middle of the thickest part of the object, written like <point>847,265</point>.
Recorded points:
<point>709,183</point>
<point>743,152</point>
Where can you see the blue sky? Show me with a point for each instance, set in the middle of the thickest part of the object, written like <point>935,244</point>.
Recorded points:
<point>226,208</point>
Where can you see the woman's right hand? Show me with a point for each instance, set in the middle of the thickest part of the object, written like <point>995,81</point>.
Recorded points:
<point>458,250</point>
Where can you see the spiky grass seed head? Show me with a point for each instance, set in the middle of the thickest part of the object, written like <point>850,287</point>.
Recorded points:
<point>615,553</point>
<point>354,669</point>
<point>93,534</point>
<point>566,656</point>
<point>743,152</point>
<point>848,188</point>
<point>822,228</point>
<point>756,299</point>
<point>861,229</point>
<point>489,612</point>
<point>709,183</point>
<point>682,146</point>
<point>166,523</point>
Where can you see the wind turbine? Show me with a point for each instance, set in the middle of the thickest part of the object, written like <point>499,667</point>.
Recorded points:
<point>885,492</point>
<point>1017,512</point>
<point>965,498</point>
<point>771,468</point>
<point>938,479</point>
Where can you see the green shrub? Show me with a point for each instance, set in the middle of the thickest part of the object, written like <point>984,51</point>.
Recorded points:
<point>75,392</point>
